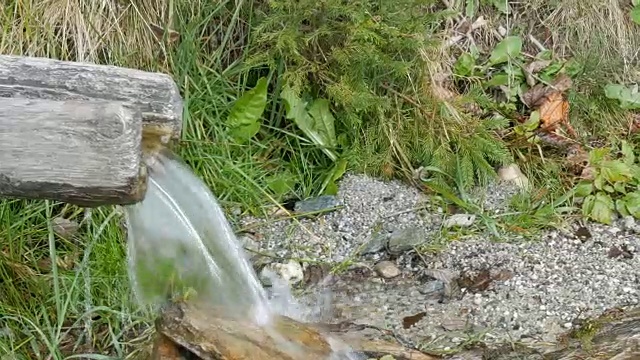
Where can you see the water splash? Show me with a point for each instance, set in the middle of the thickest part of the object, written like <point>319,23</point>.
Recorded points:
<point>179,237</point>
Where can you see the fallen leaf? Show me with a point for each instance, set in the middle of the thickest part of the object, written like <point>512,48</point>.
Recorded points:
<point>583,232</point>
<point>553,111</point>
<point>409,321</point>
<point>502,275</point>
<point>158,31</point>
<point>535,96</point>
<point>620,251</point>
<point>64,228</point>
<point>562,83</point>
<point>534,67</point>
<point>477,282</point>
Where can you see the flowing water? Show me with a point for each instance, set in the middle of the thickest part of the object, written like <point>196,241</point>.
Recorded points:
<point>179,237</point>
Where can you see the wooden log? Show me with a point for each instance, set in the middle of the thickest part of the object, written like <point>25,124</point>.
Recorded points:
<point>197,332</point>
<point>80,152</point>
<point>201,332</point>
<point>154,95</point>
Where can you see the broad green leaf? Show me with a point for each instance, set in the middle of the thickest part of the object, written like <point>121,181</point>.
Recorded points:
<point>614,171</point>
<point>533,122</point>
<point>296,111</point>
<point>598,182</point>
<point>331,188</point>
<point>282,183</point>
<point>498,80</point>
<point>621,207</point>
<point>628,98</point>
<point>632,203</point>
<point>509,47</point>
<point>573,68</point>
<point>620,187</point>
<point>324,121</point>
<point>587,205</point>
<point>339,169</point>
<point>628,155</point>
<point>597,155</point>
<point>244,132</point>
<point>635,14</point>
<point>602,208</point>
<point>329,185</point>
<point>464,65</point>
<point>552,69</point>
<point>471,9</point>
<point>583,189</point>
<point>244,118</point>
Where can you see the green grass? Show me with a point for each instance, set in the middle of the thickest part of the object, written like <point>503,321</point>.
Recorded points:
<point>387,119</point>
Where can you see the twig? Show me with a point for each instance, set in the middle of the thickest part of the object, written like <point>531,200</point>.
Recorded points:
<point>537,43</point>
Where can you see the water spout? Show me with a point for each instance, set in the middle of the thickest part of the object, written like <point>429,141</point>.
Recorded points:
<point>179,236</point>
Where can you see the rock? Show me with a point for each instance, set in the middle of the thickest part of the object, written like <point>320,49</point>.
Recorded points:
<point>377,243</point>
<point>387,269</point>
<point>512,173</point>
<point>406,239</point>
<point>291,272</point>
<point>629,223</point>
<point>319,204</point>
<point>432,288</point>
<point>459,220</point>
<point>64,228</point>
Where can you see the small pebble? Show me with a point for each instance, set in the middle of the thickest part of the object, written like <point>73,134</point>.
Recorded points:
<point>387,269</point>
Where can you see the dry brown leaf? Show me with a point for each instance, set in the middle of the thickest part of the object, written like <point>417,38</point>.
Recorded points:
<point>534,67</point>
<point>535,96</point>
<point>441,93</point>
<point>158,31</point>
<point>553,111</point>
<point>562,83</point>
<point>409,321</point>
<point>64,228</point>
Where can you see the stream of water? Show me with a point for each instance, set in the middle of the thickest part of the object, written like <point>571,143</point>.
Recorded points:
<point>179,237</point>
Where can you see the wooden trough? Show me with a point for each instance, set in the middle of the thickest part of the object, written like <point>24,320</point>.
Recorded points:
<point>75,132</point>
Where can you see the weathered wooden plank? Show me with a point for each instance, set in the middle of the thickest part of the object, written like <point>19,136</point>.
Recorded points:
<point>155,95</point>
<point>204,332</point>
<point>81,152</point>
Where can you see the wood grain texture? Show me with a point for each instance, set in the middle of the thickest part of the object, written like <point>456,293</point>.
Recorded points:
<point>155,95</point>
<point>204,332</point>
<point>198,331</point>
<point>80,152</point>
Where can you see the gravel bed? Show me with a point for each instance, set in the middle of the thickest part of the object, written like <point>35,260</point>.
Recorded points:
<point>546,286</point>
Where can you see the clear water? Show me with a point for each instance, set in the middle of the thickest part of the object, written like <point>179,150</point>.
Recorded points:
<point>179,238</point>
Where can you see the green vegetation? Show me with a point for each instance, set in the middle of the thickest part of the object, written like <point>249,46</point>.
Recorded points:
<point>283,97</point>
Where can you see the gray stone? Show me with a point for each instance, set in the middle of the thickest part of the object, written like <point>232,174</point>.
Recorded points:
<point>435,287</point>
<point>318,204</point>
<point>377,243</point>
<point>460,220</point>
<point>406,239</point>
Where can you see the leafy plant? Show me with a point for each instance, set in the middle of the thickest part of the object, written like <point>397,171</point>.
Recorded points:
<point>315,120</point>
<point>628,97</point>
<point>635,11</point>
<point>613,185</point>
<point>359,69</point>
<point>243,121</point>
